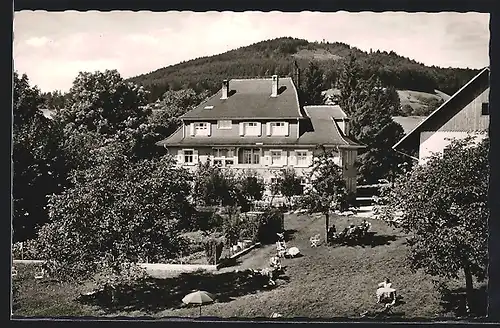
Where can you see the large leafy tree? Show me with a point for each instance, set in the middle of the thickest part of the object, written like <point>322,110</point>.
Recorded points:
<point>289,184</point>
<point>312,85</point>
<point>371,105</point>
<point>444,205</point>
<point>326,191</point>
<point>104,104</point>
<point>214,186</point>
<point>172,104</point>
<point>39,165</point>
<point>117,211</point>
<point>250,186</point>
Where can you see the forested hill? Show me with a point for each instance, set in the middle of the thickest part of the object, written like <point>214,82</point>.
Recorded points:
<point>277,56</point>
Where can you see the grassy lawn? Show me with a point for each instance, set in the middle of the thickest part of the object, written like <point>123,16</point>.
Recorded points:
<point>325,282</point>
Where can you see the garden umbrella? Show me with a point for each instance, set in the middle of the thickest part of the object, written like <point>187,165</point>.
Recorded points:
<point>198,297</point>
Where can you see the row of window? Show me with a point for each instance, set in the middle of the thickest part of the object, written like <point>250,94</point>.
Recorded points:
<point>245,128</point>
<point>249,156</point>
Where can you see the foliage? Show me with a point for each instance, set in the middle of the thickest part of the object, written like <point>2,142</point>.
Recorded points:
<point>55,100</point>
<point>232,225</point>
<point>277,56</point>
<point>444,204</point>
<point>117,211</point>
<point>327,190</point>
<point>250,186</point>
<point>103,103</point>
<point>25,99</point>
<point>27,250</point>
<point>214,186</point>
<point>312,85</point>
<point>38,162</point>
<point>371,106</point>
<point>165,112</point>
<point>270,222</point>
<point>289,184</point>
<point>213,249</point>
<point>255,226</point>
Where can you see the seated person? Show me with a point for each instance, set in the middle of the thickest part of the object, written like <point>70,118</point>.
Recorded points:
<point>385,293</point>
<point>331,233</point>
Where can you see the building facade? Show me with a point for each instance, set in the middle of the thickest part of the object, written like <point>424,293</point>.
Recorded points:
<point>259,124</point>
<point>466,113</point>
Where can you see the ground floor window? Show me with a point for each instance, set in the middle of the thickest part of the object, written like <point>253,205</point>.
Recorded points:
<point>251,156</point>
<point>188,156</point>
<point>276,156</point>
<point>301,157</point>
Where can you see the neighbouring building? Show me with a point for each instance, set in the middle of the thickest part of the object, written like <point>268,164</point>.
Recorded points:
<point>259,124</point>
<point>464,113</point>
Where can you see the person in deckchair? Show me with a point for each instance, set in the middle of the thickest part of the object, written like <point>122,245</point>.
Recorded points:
<point>385,293</point>
<point>365,225</point>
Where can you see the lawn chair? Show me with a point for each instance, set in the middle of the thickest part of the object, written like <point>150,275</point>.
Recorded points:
<point>275,263</point>
<point>315,240</point>
<point>280,249</point>
<point>40,275</point>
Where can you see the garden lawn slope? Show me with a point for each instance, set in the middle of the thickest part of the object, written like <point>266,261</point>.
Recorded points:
<point>325,282</point>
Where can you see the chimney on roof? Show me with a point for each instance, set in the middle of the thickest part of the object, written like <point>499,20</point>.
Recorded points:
<point>274,90</point>
<point>225,89</point>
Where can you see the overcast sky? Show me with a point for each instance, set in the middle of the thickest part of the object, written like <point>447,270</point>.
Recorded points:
<point>52,47</point>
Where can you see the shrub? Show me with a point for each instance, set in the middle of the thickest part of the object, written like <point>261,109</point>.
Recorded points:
<point>270,223</point>
<point>213,249</point>
<point>28,250</point>
<point>207,219</point>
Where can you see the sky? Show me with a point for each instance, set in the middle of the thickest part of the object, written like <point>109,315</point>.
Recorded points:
<point>52,47</point>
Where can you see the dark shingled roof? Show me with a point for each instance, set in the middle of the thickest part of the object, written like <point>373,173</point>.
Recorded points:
<point>251,98</point>
<point>319,128</point>
<point>323,129</point>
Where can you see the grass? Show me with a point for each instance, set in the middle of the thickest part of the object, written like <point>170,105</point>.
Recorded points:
<point>325,282</point>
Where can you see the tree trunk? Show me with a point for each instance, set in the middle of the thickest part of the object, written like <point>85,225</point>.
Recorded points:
<point>327,224</point>
<point>469,288</point>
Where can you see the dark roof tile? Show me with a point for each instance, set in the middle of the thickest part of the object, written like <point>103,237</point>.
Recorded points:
<point>251,98</point>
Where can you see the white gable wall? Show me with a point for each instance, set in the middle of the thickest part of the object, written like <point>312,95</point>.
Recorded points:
<point>435,141</point>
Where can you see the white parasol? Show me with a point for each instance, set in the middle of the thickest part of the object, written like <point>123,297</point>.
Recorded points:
<point>199,297</point>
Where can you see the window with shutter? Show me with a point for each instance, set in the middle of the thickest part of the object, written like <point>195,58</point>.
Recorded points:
<point>252,129</point>
<point>302,159</point>
<point>188,156</point>
<point>276,157</point>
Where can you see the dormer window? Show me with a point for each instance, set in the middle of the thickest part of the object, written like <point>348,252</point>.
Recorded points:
<point>277,129</point>
<point>200,129</point>
<point>485,109</point>
<point>250,129</point>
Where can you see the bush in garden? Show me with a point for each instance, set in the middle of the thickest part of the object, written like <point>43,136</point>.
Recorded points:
<point>270,223</point>
<point>27,250</point>
<point>233,226</point>
<point>213,249</point>
<point>207,218</point>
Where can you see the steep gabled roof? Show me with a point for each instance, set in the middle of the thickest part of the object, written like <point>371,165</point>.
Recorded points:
<point>446,110</point>
<point>250,98</point>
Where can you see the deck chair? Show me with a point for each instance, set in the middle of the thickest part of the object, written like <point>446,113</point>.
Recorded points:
<point>315,240</point>
<point>40,275</point>
<point>280,249</point>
